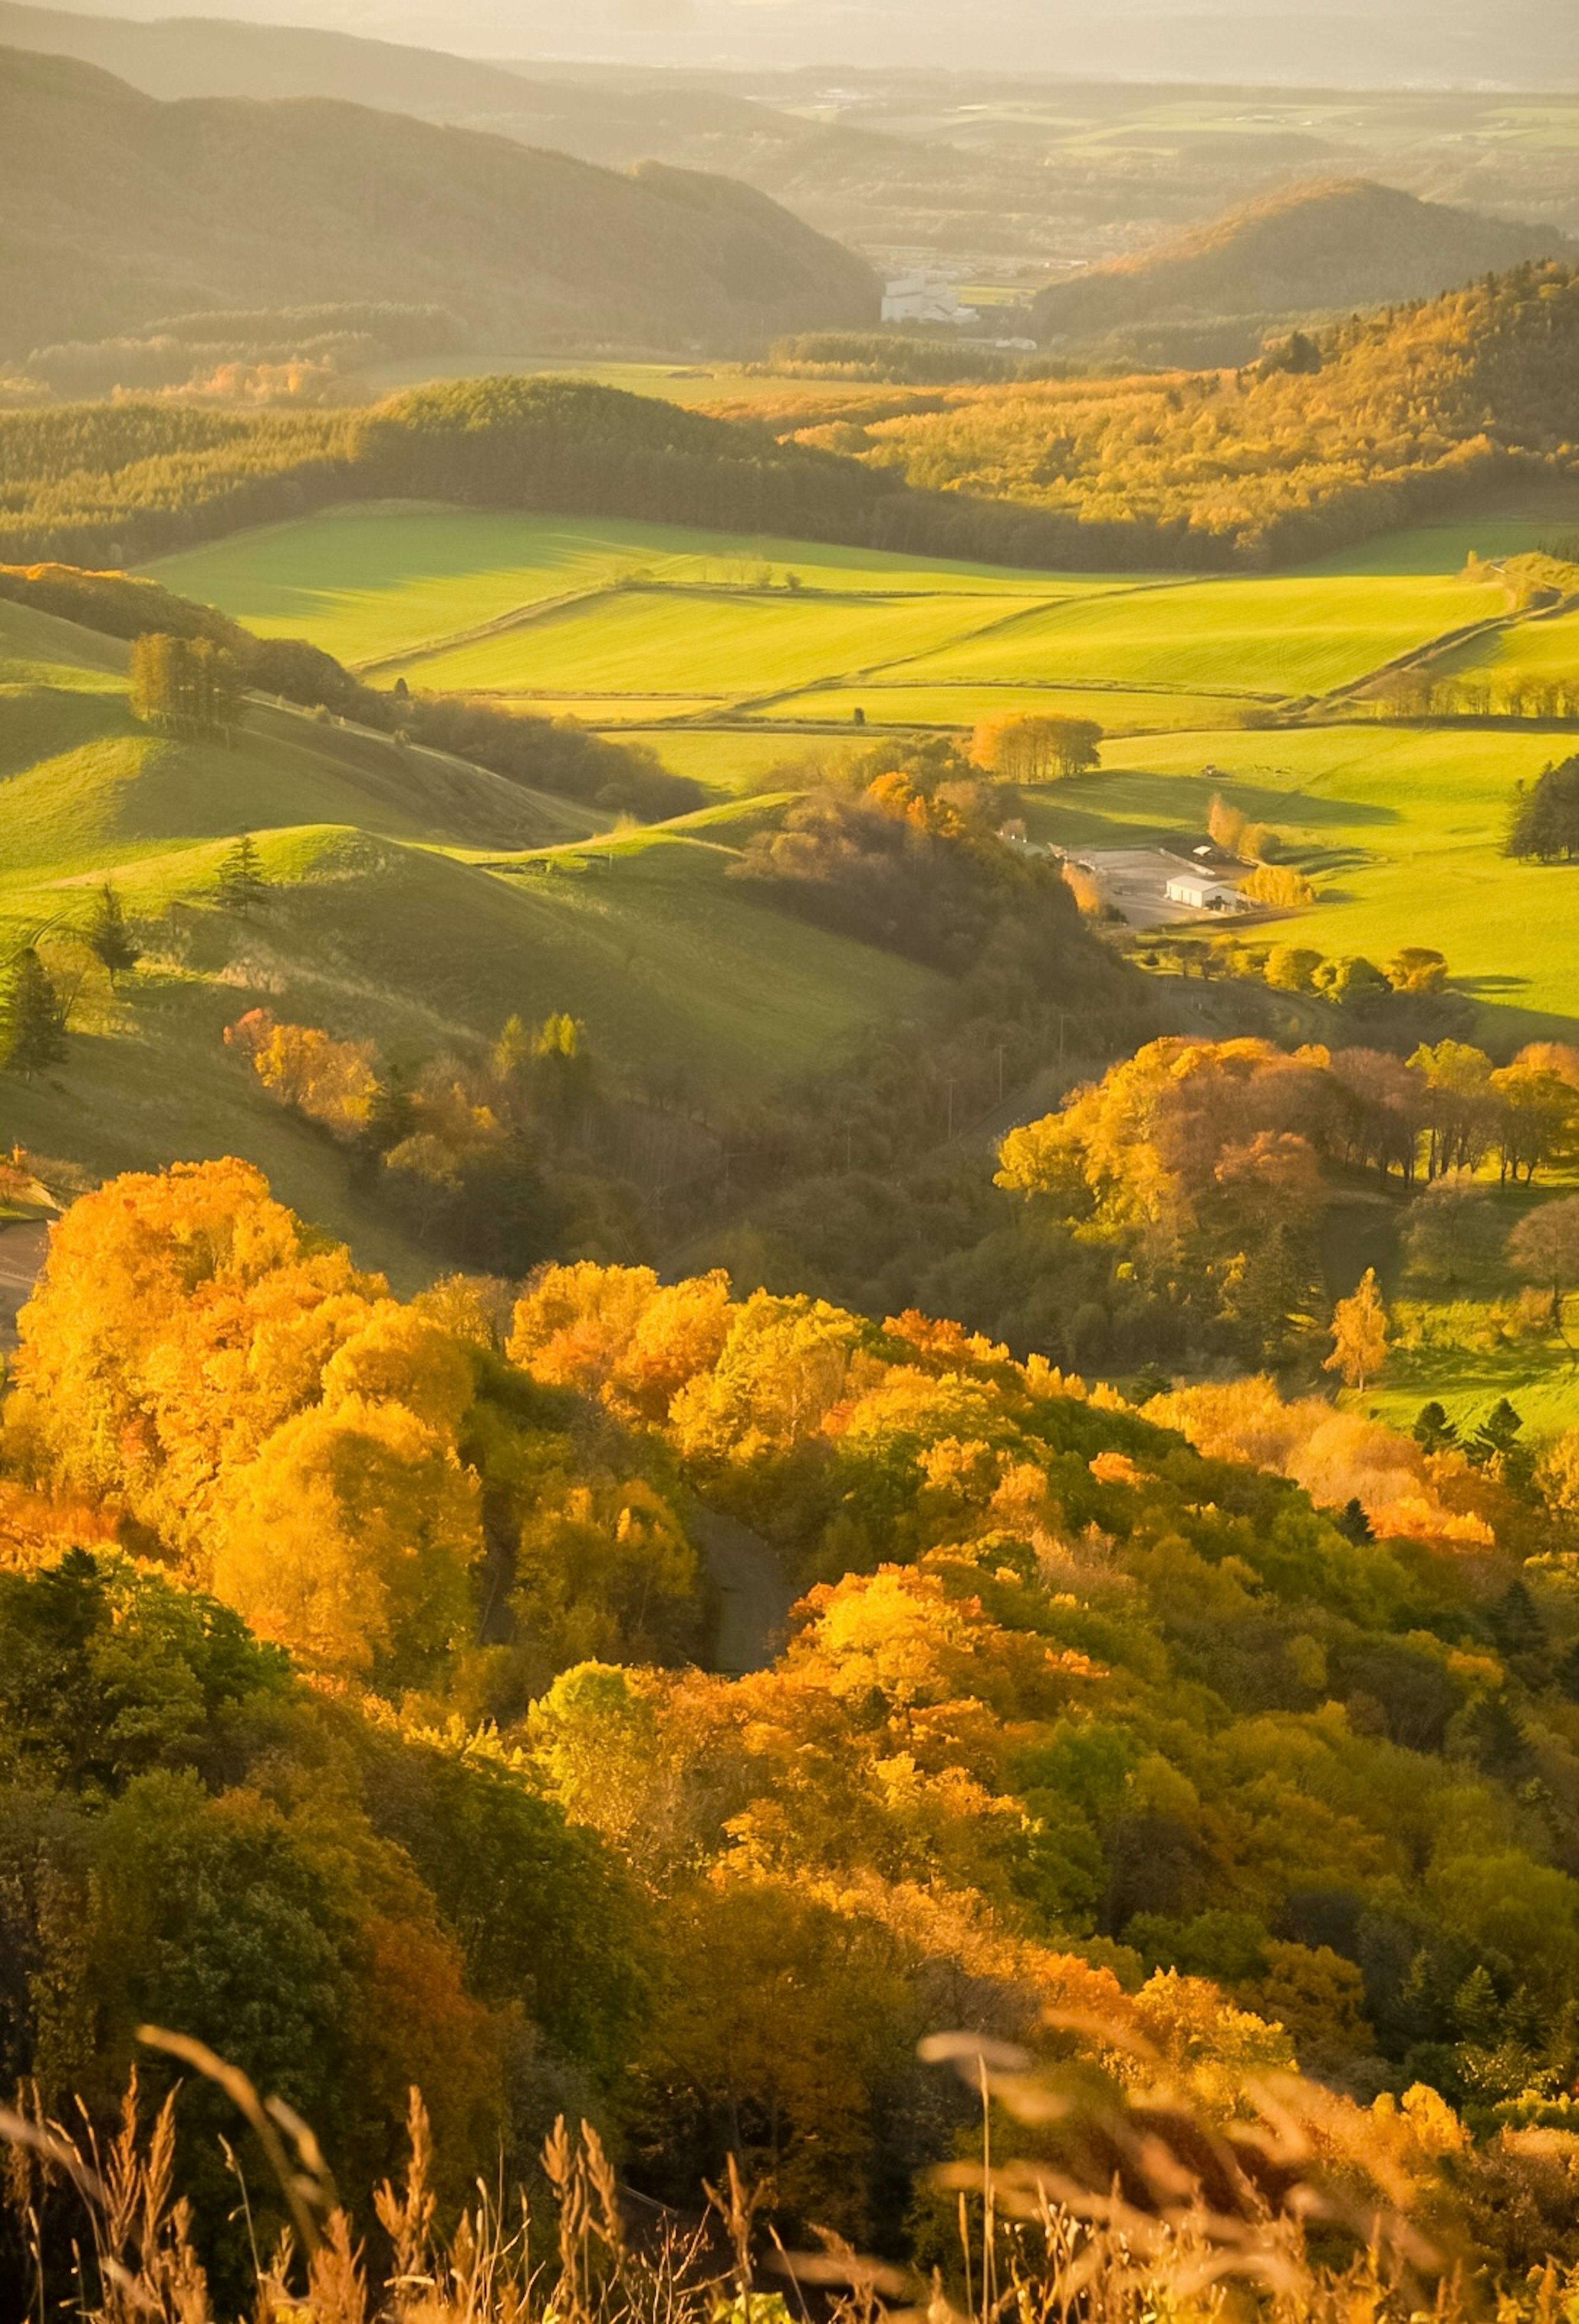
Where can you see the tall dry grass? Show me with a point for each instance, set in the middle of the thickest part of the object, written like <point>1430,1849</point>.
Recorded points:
<point>1088,2200</point>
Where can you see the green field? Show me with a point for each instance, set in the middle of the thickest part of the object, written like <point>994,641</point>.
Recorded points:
<point>1118,710</point>
<point>1531,652</point>
<point>736,643</point>
<point>1278,637</point>
<point>626,624</point>
<point>696,387</point>
<point>1400,829</point>
<point>371,582</point>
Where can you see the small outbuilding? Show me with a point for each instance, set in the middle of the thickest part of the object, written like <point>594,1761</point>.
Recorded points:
<point>1199,891</point>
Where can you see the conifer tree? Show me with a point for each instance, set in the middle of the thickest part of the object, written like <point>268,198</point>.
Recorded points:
<point>32,1033</point>
<point>241,883</point>
<point>109,938</point>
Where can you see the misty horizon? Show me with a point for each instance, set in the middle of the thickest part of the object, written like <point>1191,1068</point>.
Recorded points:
<point>1531,44</point>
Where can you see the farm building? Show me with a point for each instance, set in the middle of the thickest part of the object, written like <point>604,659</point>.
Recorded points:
<point>924,299</point>
<point>1199,891</point>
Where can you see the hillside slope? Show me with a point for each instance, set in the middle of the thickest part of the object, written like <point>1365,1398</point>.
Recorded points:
<point>1349,243</point>
<point>413,901</point>
<point>121,209</point>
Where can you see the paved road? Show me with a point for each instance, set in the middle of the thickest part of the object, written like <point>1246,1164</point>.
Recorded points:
<point>21,1254</point>
<point>754,1592</point>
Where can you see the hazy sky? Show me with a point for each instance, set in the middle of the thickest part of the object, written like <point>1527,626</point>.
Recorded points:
<point>1343,41</point>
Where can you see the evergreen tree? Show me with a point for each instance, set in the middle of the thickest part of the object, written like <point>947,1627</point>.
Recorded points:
<point>1432,1430</point>
<point>1545,821</point>
<point>109,939</point>
<point>241,883</point>
<point>1495,1447</point>
<point>33,1033</point>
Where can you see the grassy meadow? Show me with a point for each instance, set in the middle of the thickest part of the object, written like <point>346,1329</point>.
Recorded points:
<point>413,902</point>
<point>624,624</point>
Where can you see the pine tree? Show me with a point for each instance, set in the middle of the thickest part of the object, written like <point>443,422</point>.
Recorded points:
<point>241,883</point>
<point>109,939</point>
<point>1432,1430</point>
<point>33,1033</point>
<point>1359,1335</point>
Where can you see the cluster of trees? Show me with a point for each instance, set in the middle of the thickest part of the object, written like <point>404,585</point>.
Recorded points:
<point>179,350</point>
<point>1414,973</point>
<point>1406,411</point>
<point>117,483</point>
<point>1023,748</point>
<point>185,685</point>
<point>1089,1709</point>
<point>1545,821</point>
<point>1545,701</point>
<point>1201,1167</point>
<point>491,1160</point>
<point>904,850</point>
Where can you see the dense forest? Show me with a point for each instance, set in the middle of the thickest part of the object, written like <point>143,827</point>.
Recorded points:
<point>349,1723</point>
<point>1393,416</point>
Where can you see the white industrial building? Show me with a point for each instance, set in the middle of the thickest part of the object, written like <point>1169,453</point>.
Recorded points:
<point>1199,891</point>
<point>925,298</point>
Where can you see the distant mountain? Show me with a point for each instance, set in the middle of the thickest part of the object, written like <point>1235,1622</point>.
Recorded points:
<point>119,209</point>
<point>1309,249</point>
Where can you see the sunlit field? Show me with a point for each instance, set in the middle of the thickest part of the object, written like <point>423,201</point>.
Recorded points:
<point>369,583</point>
<point>1401,830</point>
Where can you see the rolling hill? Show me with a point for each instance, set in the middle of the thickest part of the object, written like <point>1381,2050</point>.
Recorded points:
<point>121,209</point>
<point>1307,250</point>
<point>414,900</point>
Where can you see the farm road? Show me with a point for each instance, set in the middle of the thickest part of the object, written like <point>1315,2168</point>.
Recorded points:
<point>22,1255</point>
<point>755,1593</point>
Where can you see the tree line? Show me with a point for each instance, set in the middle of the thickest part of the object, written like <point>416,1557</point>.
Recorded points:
<point>1408,412</point>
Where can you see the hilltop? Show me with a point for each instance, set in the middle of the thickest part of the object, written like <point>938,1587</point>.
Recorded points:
<point>122,208</point>
<point>1303,250</point>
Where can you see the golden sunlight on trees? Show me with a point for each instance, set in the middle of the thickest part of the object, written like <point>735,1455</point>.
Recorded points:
<point>1359,1334</point>
<point>330,1082</point>
<point>1035,749</point>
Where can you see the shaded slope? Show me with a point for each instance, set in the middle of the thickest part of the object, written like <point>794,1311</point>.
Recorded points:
<point>121,209</point>
<point>1308,250</point>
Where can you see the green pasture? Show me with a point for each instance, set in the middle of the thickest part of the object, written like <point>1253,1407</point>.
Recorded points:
<point>1271,637</point>
<point>687,640</point>
<point>696,387</point>
<point>1400,829</point>
<point>1118,710</point>
<point>369,581</point>
<point>1539,652</point>
<point>621,710</point>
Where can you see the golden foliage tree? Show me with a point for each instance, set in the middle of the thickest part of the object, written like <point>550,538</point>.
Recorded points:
<point>1359,1334</point>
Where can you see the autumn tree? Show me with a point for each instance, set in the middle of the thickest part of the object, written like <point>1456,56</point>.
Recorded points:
<point>33,1027</point>
<point>1359,1334</point>
<point>333,1082</point>
<point>1034,748</point>
<point>1544,1249</point>
<point>1536,1116</point>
